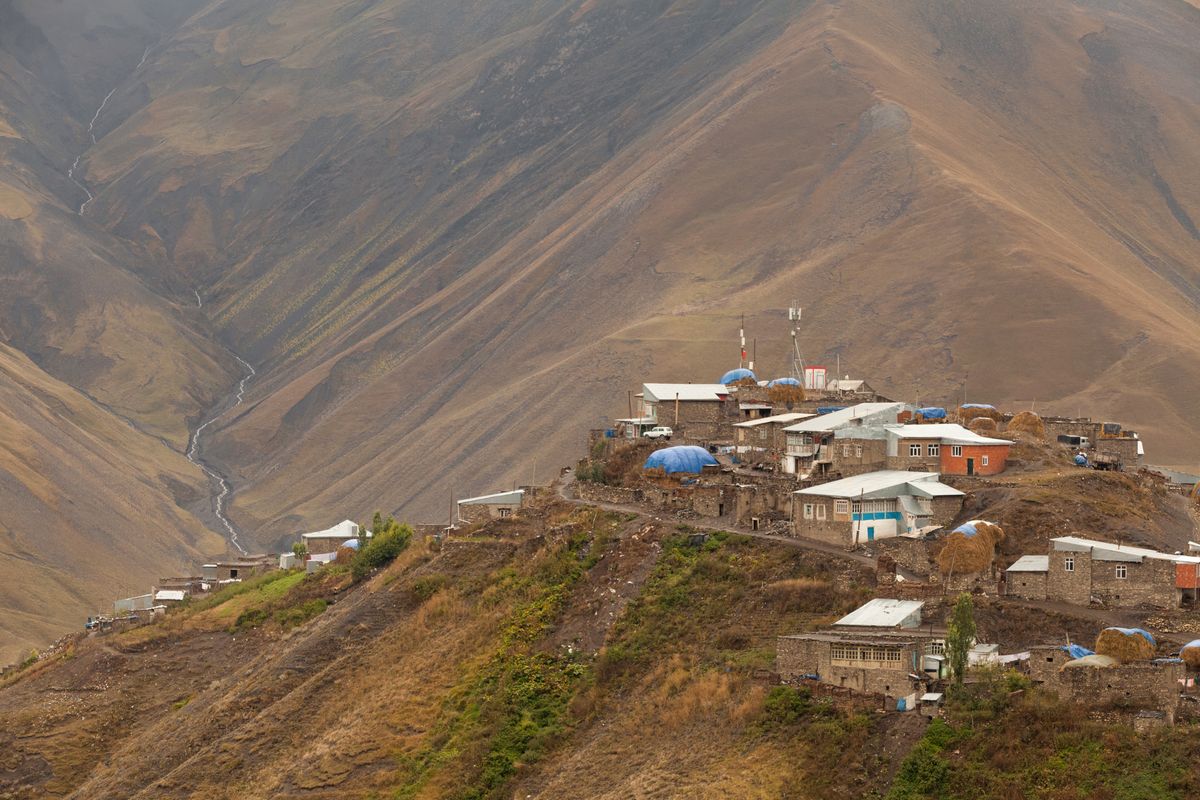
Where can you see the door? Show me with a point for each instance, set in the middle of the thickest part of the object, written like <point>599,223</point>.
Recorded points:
<point>970,466</point>
<point>871,533</point>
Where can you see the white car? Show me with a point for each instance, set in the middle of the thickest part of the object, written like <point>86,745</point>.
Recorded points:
<point>661,432</point>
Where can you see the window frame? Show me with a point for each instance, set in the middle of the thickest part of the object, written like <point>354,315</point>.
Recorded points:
<point>956,450</point>
<point>984,461</point>
<point>1069,563</point>
<point>821,516</point>
<point>808,510</point>
<point>1122,572</point>
<point>841,507</point>
<point>934,450</point>
<point>914,451</point>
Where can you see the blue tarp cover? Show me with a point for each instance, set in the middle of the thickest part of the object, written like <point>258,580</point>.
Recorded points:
<point>829,409</point>
<point>784,382</point>
<point>1189,645</point>
<point>1132,631</point>
<point>932,412</point>
<point>684,458</point>
<point>1078,651</point>
<point>978,405</point>
<point>968,528</point>
<point>351,543</point>
<point>735,375</point>
<point>1081,460</point>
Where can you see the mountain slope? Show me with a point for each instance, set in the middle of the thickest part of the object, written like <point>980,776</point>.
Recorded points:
<point>485,222</point>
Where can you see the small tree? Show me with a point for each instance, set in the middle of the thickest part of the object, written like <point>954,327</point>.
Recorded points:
<point>300,550</point>
<point>960,637</point>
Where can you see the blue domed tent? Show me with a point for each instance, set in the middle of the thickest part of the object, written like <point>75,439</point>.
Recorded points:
<point>735,375</point>
<point>351,543</point>
<point>684,458</point>
<point>784,382</point>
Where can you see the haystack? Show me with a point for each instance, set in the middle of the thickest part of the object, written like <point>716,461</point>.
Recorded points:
<point>1125,644</point>
<point>345,555</point>
<point>982,425</point>
<point>970,548</point>
<point>1029,423</point>
<point>968,413</point>
<point>1191,654</point>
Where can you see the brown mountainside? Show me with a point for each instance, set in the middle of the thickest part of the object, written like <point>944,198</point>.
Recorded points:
<point>449,236</point>
<point>445,232</point>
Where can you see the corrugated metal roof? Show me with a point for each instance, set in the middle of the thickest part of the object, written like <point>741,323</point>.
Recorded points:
<point>868,484</point>
<point>1031,564</point>
<point>837,419</point>
<point>1107,551</point>
<point>949,433</point>
<point>777,419</point>
<point>344,530</point>
<point>882,613</point>
<point>687,392</point>
<point>500,498</point>
<point>170,594</point>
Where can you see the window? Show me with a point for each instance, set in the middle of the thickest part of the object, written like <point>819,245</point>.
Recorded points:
<point>914,450</point>
<point>841,506</point>
<point>858,451</point>
<point>935,449</point>
<point>1069,563</point>
<point>821,511</point>
<point>1122,571</point>
<point>956,450</point>
<point>808,510</point>
<point>985,461</point>
<point>845,451</point>
<point>505,512</point>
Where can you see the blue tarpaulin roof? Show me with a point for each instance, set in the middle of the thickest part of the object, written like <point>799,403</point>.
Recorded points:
<point>684,458</point>
<point>829,409</point>
<point>784,382</point>
<point>1133,631</point>
<point>1078,651</point>
<point>932,412</point>
<point>735,375</point>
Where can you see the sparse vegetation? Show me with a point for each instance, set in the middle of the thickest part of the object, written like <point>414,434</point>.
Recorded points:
<point>388,541</point>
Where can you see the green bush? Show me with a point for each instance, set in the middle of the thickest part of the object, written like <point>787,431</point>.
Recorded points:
<point>429,585</point>
<point>381,550</point>
<point>298,615</point>
<point>250,618</point>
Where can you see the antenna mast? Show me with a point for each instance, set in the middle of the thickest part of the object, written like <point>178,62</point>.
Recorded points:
<point>794,314</point>
<point>742,337</point>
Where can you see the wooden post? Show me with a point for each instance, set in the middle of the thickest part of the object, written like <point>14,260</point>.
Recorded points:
<point>676,410</point>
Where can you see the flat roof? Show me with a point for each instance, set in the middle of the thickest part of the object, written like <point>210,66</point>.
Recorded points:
<point>170,594</point>
<point>1030,564</point>
<point>499,498</point>
<point>882,613</point>
<point>837,419</point>
<point>662,392</point>
<point>950,433</point>
<point>925,483</point>
<point>776,419</point>
<point>1107,551</point>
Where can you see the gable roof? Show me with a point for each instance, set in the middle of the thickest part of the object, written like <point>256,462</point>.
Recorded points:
<point>1107,551</point>
<point>949,433</point>
<point>777,419</point>
<point>846,416</point>
<point>885,483</point>
<point>687,392</point>
<point>882,612</point>
<point>343,530</point>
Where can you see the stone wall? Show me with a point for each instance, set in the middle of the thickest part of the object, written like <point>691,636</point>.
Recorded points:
<point>915,555</point>
<point>1130,687</point>
<point>1069,586</point>
<point>858,456</point>
<point>920,463</point>
<point>602,493</point>
<point>1151,583</point>
<point>797,656</point>
<point>945,509</point>
<point>1029,585</point>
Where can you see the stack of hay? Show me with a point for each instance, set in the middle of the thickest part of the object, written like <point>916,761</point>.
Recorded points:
<point>982,425</point>
<point>1029,423</point>
<point>1191,654</point>
<point>972,411</point>
<point>970,548</point>
<point>1125,644</point>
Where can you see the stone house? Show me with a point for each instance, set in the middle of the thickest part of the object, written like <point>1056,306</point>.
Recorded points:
<point>765,435</point>
<point>500,505</point>
<point>694,411</point>
<point>946,448</point>
<point>1129,688</point>
<point>877,505</point>
<point>238,569</point>
<point>807,444</point>
<point>1106,438</point>
<point>1079,570</point>
<point>330,539</point>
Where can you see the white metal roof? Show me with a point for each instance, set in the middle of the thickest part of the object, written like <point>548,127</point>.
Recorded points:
<point>868,484</point>
<point>170,594</point>
<point>1031,564</point>
<point>687,392</point>
<point>777,419</point>
<point>882,613</point>
<point>844,385</point>
<point>846,416</point>
<point>931,697</point>
<point>949,433</point>
<point>1107,551</point>
<point>499,498</point>
<point>343,530</point>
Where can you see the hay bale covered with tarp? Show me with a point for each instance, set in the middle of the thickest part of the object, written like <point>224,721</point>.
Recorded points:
<point>970,411</point>
<point>1125,644</point>
<point>1191,654</point>
<point>1028,423</point>
<point>970,548</point>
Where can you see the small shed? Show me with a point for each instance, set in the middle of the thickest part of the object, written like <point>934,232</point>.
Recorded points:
<point>500,505</point>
